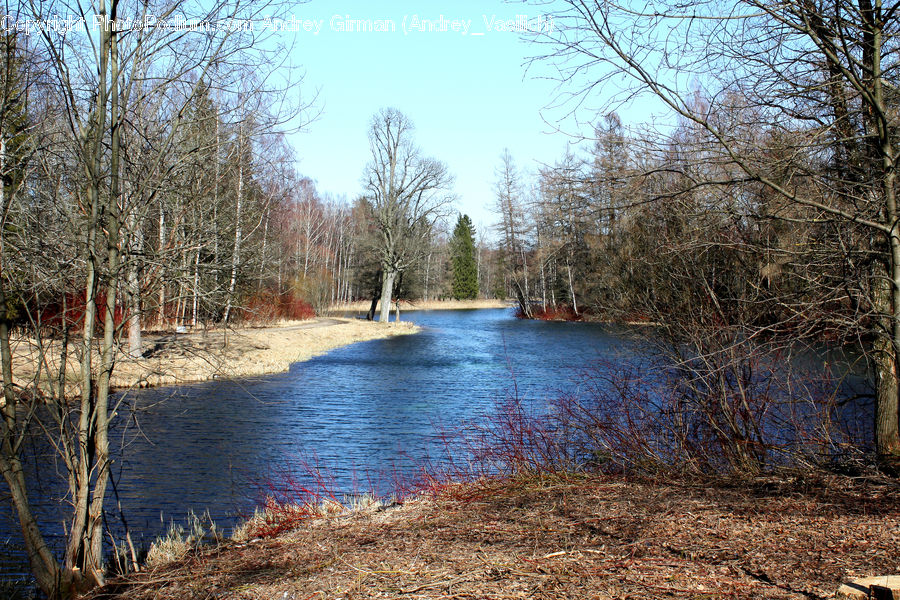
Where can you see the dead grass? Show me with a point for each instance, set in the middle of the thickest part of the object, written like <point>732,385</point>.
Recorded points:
<point>199,356</point>
<point>249,351</point>
<point>556,537</point>
<point>362,307</point>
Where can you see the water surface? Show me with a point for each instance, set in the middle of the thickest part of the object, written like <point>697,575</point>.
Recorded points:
<point>361,412</point>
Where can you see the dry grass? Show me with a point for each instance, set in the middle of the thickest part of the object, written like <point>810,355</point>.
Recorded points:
<point>249,351</point>
<point>362,307</point>
<point>555,537</point>
<point>199,356</point>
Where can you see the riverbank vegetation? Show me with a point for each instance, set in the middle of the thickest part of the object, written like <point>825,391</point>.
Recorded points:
<point>556,536</point>
<point>147,186</point>
<point>761,217</point>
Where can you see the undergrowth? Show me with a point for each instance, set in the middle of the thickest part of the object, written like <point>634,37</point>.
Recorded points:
<point>726,416</point>
<point>266,306</point>
<point>180,539</point>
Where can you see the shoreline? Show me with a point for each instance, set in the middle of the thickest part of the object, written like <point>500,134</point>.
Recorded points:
<point>362,306</point>
<point>248,351</point>
<point>193,357</point>
<point>553,535</point>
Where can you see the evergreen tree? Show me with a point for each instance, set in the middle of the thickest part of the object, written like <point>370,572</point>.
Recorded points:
<point>465,270</point>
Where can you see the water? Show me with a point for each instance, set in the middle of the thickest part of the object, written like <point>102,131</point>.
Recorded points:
<point>362,412</point>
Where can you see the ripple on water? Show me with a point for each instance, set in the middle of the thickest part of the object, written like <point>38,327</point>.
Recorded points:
<point>361,412</point>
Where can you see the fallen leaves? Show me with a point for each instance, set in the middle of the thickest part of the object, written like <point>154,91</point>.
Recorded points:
<point>562,538</point>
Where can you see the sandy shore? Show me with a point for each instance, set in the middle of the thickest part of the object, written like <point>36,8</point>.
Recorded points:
<point>362,307</point>
<point>189,357</point>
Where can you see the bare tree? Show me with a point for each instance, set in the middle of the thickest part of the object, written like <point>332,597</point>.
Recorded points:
<point>99,83</point>
<point>798,97</point>
<point>514,229</point>
<point>406,194</point>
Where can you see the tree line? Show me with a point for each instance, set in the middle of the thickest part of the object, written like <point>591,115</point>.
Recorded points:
<point>147,184</point>
<point>758,212</point>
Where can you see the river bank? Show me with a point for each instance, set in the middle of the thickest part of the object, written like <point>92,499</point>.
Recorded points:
<point>177,358</point>
<point>559,537</point>
<point>248,351</point>
<point>361,307</point>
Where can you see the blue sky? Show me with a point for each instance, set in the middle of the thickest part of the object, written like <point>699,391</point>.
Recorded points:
<point>467,94</point>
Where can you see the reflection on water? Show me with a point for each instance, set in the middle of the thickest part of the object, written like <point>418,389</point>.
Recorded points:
<point>361,411</point>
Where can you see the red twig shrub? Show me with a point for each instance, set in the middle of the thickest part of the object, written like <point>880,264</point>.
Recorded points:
<point>559,312</point>
<point>292,497</point>
<point>70,311</point>
<point>267,305</point>
<point>727,414</point>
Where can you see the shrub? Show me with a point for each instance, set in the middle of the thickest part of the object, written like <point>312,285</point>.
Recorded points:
<point>740,412</point>
<point>266,306</point>
<point>559,312</point>
<point>179,540</point>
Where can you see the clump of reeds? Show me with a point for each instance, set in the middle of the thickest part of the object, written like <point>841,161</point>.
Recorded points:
<point>180,539</point>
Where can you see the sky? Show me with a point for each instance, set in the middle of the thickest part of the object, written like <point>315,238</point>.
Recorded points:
<point>466,91</point>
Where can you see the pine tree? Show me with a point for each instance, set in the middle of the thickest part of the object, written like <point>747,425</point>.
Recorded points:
<point>465,271</point>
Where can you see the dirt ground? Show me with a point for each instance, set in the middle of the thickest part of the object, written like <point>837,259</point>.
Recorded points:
<point>199,356</point>
<point>554,537</point>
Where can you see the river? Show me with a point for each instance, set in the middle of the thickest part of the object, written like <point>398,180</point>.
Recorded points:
<point>363,413</point>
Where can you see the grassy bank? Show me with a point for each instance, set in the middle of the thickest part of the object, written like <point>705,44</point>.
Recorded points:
<point>248,351</point>
<point>172,359</point>
<point>559,537</point>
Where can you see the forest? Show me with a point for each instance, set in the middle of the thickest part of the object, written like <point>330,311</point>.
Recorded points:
<point>148,185</point>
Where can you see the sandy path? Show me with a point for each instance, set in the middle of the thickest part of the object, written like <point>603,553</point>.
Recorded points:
<point>245,352</point>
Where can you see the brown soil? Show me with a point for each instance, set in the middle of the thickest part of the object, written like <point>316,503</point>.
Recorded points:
<point>553,537</point>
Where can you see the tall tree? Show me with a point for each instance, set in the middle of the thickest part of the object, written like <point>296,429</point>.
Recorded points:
<point>102,86</point>
<point>406,193</point>
<point>462,257</point>
<point>513,228</point>
<point>796,97</point>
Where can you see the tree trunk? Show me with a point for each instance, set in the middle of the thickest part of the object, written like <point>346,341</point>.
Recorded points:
<point>887,427</point>
<point>887,444</point>
<point>571,286</point>
<point>427,273</point>
<point>265,241</point>
<point>42,562</point>
<point>387,290</point>
<point>370,316</point>
<point>134,287</point>
<point>236,254</point>
<point>195,305</point>
<point>161,309</point>
<point>397,306</point>
<point>524,304</point>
